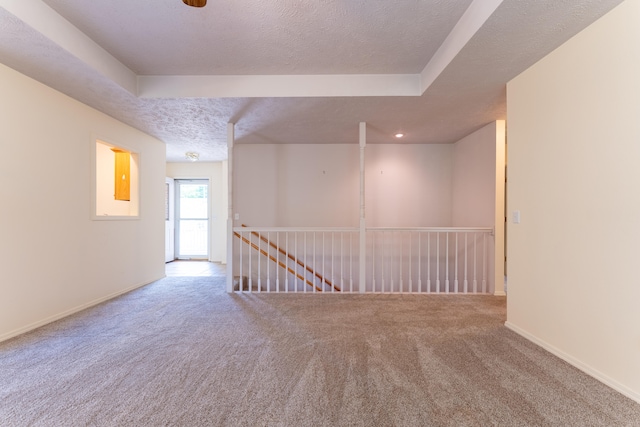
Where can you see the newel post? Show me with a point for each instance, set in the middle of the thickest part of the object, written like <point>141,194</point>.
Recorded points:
<point>230,139</point>
<point>363,230</point>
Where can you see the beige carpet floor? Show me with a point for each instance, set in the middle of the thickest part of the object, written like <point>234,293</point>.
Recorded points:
<point>182,352</point>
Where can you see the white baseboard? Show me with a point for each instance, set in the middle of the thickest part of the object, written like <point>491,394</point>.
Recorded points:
<point>605,379</point>
<point>69,312</point>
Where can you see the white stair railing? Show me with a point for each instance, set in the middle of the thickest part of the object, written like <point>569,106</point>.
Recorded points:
<point>429,260</point>
<point>397,260</point>
<point>285,259</point>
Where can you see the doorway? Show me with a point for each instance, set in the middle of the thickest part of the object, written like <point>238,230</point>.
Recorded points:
<point>192,219</point>
<point>169,220</point>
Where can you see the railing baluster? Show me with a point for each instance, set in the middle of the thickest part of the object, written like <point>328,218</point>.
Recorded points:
<point>323,262</point>
<point>304,257</point>
<point>446,263</point>
<point>342,260</point>
<point>484,263</point>
<point>419,262</point>
<point>466,269</point>
<point>475,262</point>
<point>373,261</point>
<point>241,271</point>
<point>332,262</point>
<point>268,264</point>
<point>277,266</point>
<point>401,264</point>
<point>455,278</point>
<point>392,249</point>
<point>438,262</point>
<point>410,256</point>
<point>295,263</point>
<point>400,248</point>
<point>286,262</point>
<point>250,269</point>
<point>259,267</point>
<point>428,262</point>
<point>350,263</point>
<point>382,259</point>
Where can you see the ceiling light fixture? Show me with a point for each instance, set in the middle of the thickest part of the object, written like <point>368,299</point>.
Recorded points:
<point>191,155</point>
<point>399,135</point>
<point>195,3</point>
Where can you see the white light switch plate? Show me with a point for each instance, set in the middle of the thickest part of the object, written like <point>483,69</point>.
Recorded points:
<point>515,217</point>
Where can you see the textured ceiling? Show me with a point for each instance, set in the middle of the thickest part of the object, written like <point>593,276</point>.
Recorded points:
<point>267,37</point>
<point>289,37</point>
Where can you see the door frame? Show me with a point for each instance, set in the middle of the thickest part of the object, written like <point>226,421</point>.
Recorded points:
<point>169,221</point>
<point>177,182</point>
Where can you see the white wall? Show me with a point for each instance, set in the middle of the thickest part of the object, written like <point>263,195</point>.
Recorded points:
<point>319,185</point>
<point>408,185</point>
<point>478,189</point>
<point>213,171</point>
<point>279,185</point>
<point>574,148</point>
<point>474,179</point>
<point>54,258</point>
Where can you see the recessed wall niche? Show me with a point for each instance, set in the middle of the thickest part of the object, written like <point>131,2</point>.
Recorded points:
<point>116,182</point>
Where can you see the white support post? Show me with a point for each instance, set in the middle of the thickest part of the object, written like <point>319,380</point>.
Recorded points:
<point>363,230</point>
<point>497,273</point>
<point>230,139</point>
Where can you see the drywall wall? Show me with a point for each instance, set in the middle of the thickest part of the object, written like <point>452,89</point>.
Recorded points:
<point>408,185</point>
<point>319,185</point>
<point>305,185</point>
<point>474,179</point>
<point>213,171</point>
<point>573,175</point>
<point>478,187</point>
<point>55,259</point>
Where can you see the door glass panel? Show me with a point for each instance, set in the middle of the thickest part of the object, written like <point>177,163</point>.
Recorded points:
<point>193,220</point>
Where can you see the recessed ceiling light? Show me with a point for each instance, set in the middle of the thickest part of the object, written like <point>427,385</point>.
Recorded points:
<point>399,135</point>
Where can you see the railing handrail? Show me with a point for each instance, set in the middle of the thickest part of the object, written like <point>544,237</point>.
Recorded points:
<point>356,229</point>
<point>434,229</point>
<point>293,229</point>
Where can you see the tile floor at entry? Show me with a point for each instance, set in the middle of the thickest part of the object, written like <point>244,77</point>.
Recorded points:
<point>194,268</point>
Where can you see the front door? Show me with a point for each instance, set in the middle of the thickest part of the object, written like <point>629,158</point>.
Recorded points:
<point>169,221</point>
<point>192,212</point>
